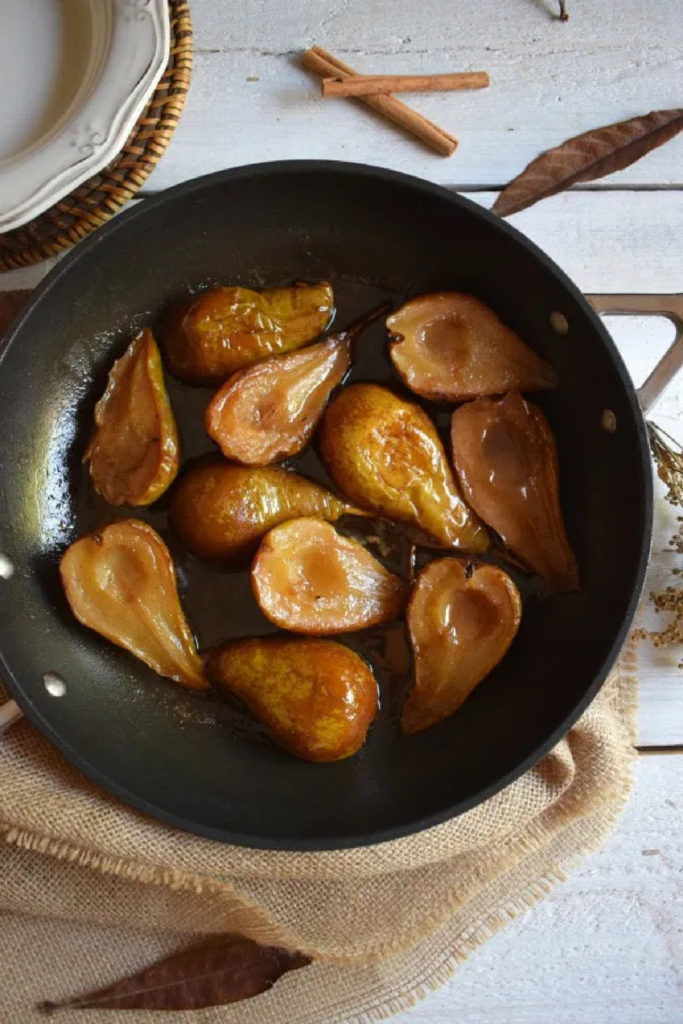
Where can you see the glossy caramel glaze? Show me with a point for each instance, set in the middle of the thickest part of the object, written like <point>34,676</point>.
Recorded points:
<point>269,411</point>
<point>231,613</point>
<point>449,346</point>
<point>308,578</point>
<point>120,581</point>
<point>220,511</point>
<point>385,455</point>
<point>461,620</point>
<point>316,698</point>
<point>224,330</point>
<point>134,452</point>
<point>506,460</point>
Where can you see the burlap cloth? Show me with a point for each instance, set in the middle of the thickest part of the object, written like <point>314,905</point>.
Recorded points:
<point>91,890</point>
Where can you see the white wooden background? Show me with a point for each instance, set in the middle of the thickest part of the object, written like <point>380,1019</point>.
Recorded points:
<point>607,947</point>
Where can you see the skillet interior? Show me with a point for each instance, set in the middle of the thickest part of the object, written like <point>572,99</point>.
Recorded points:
<point>202,765</point>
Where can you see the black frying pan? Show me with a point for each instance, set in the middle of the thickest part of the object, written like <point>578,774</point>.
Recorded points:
<point>200,764</point>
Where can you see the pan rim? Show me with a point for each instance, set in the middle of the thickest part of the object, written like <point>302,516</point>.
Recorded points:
<point>380,835</point>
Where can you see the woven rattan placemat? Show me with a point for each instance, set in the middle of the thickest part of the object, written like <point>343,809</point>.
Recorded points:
<point>94,202</point>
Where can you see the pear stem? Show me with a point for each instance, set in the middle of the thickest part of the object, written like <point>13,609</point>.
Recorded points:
<point>352,510</point>
<point>352,333</point>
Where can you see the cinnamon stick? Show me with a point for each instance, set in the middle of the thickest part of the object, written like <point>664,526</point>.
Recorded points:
<point>328,66</point>
<point>377,85</point>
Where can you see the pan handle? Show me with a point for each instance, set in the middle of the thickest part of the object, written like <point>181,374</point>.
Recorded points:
<point>669,306</point>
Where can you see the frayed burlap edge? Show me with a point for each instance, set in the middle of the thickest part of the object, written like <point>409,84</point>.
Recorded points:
<point>530,841</point>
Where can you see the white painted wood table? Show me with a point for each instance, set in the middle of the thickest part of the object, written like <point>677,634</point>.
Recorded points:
<point>607,947</point>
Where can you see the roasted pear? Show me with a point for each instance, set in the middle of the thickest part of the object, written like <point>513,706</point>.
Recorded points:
<point>505,456</point>
<point>461,622</point>
<point>450,347</point>
<point>221,511</point>
<point>307,578</point>
<point>134,452</point>
<point>221,331</point>
<point>384,454</point>
<point>120,581</point>
<point>316,697</point>
<point>269,411</point>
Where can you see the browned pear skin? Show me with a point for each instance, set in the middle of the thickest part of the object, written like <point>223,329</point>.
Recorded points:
<point>317,698</point>
<point>219,332</point>
<point>221,511</point>
<point>385,455</point>
<point>450,347</point>
<point>307,578</point>
<point>505,456</point>
<point>461,621</point>
<point>134,453</point>
<point>269,411</point>
<point>120,581</point>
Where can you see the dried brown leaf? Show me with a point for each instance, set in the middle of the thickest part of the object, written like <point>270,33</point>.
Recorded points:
<point>214,975</point>
<point>592,155</point>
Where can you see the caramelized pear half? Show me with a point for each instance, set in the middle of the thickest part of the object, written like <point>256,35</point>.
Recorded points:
<point>461,622</point>
<point>450,347</point>
<point>269,411</point>
<point>120,581</point>
<point>134,452</point>
<point>505,456</point>
<point>385,455</point>
<point>221,331</point>
<point>307,578</point>
<point>221,511</point>
<point>316,697</point>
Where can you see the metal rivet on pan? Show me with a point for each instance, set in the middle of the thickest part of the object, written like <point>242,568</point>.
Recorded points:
<point>559,323</point>
<point>54,684</point>
<point>6,567</point>
<point>608,421</point>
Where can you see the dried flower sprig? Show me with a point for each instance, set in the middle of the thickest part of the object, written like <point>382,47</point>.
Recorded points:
<point>668,457</point>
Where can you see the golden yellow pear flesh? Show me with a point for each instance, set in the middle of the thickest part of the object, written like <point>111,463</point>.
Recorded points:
<point>220,511</point>
<point>219,332</point>
<point>461,621</point>
<point>308,578</point>
<point>134,452</point>
<point>269,411</point>
<point>121,582</point>
<point>385,455</point>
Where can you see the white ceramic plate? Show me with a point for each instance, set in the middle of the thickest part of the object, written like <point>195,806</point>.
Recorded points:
<point>76,77</point>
